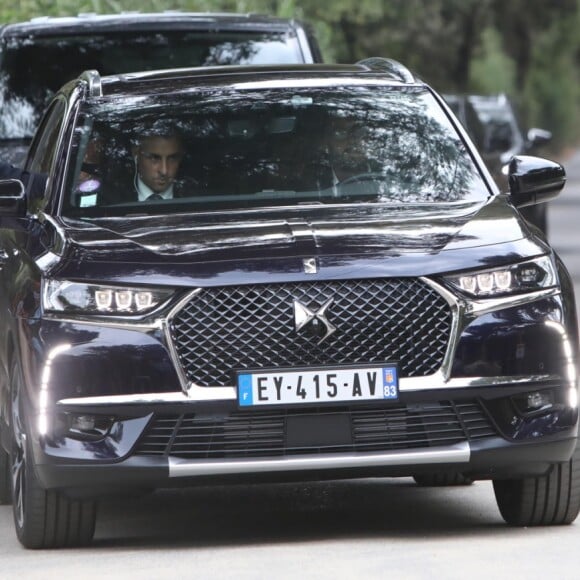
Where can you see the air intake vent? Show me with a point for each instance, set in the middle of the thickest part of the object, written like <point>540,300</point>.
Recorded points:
<point>270,433</point>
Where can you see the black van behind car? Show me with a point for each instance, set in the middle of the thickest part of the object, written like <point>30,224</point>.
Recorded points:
<point>37,57</point>
<point>494,125</point>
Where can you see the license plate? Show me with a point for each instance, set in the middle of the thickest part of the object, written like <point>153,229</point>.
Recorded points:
<point>326,385</point>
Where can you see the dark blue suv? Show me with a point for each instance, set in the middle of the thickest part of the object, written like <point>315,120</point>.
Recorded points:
<point>267,273</point>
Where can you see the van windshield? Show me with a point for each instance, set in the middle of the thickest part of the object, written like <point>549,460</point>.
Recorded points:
<point>32,69</point>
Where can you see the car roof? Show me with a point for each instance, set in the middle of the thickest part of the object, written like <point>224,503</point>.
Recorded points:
<point>176,79</point>
<point>90,23</point>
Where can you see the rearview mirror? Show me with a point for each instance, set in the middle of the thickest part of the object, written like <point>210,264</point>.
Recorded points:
<point>537,137</point>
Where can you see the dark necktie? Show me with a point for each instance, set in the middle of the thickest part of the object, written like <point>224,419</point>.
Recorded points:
<point>154,196</point>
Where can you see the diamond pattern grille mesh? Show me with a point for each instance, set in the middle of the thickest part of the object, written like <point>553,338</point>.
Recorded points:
<point>245,327</point>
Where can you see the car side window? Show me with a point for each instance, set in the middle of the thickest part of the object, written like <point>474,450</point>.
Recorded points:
<point>42,153</point>
<point>43,147</point>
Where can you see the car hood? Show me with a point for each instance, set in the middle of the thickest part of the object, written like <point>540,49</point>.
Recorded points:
<point>346,241</point>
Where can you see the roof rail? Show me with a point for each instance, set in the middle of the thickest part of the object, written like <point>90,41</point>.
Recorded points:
<point>388,65</point>
<point>93,79</point>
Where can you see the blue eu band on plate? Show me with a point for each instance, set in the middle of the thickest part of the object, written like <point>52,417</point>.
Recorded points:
<point>317,386</point>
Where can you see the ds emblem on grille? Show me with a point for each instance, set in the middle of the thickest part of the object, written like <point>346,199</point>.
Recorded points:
<point>313,322</point>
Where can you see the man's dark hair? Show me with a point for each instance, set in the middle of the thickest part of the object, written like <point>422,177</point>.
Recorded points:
<point>158,128</point>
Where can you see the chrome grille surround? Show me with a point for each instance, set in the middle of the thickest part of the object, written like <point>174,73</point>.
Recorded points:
<point>219,330</point>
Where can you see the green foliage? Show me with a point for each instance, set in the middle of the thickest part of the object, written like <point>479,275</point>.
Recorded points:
<point>492,71</point>
<point>552,91</point>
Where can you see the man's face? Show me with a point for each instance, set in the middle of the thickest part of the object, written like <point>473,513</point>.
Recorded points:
<point>158,160</point>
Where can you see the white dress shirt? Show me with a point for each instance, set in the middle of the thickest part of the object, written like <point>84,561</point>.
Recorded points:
<point>144,191</point>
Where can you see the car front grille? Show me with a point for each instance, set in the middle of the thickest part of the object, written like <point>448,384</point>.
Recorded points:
<point>243,433</point>
<point>220,330</point>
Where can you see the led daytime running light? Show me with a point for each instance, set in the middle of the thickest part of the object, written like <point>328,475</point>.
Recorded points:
<point>66,296</point>
<point>523,277</point>
<point>122,300</point>
<point>487,282</point>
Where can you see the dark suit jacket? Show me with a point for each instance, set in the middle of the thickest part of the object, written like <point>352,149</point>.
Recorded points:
<point>124,191</point>
<point>117,183</point>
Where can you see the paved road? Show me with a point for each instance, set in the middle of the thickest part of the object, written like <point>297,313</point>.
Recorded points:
<point>365,529</point>
<point>362,529</point>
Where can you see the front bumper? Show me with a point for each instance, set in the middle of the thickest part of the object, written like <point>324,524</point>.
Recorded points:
<point>493,459</point>
<point>481,433</point>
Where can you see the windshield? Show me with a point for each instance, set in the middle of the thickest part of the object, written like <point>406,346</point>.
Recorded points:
<point>32,69</point>
<point>227,149</point>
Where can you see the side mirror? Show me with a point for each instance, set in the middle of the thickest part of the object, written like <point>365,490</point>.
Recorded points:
<point>534,180</point>
<point>12,198</point>
<point>498,137</point>
<point>537,137</point>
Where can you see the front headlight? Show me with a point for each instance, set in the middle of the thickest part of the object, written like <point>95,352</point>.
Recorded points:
<point>526,276</point>
<point>80,298</point>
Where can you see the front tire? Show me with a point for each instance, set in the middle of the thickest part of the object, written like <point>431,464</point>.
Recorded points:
<point>43,518</point>
<point>548,500</point>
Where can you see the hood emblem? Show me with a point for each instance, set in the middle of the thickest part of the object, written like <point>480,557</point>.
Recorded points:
<point>313,321</point>
<point>310,266</point>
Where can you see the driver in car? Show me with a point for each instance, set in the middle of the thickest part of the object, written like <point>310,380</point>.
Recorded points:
<point>351,151</point>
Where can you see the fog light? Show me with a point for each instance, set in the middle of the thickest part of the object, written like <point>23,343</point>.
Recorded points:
<point>538,399</point>
<point>529,403</point>
<point>88,426</point>
<point>83,423</point>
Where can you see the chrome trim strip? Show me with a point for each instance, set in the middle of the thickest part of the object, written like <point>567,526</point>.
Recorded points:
<point>459,453</point>
<point>479,307</point>
<point>144,327</point>
<point>436,381</point>
<point>185,385</point>
<point>143,399</point>
<point>457,325</point>
<point>197,394</point>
